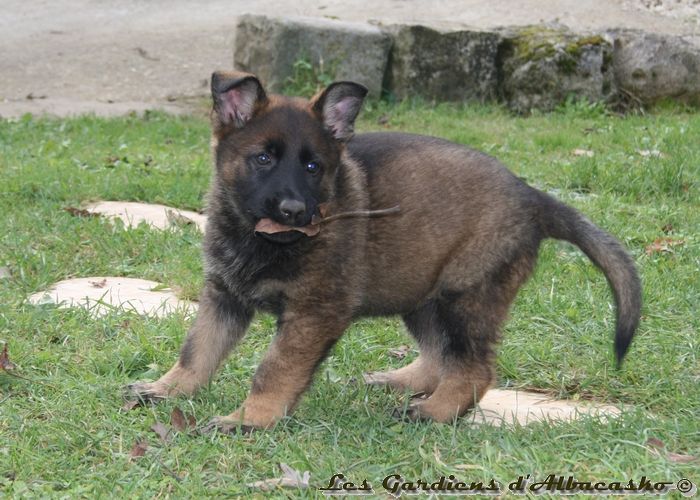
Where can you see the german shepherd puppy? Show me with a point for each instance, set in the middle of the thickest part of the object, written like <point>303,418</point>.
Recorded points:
<point>450,262</point>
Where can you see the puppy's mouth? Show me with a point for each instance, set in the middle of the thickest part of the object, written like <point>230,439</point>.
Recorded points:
<point>280,233</point>
<point>277,232</point>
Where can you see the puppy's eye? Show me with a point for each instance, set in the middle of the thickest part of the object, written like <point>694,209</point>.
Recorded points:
<point>313,168</point>
<point>263,159</point>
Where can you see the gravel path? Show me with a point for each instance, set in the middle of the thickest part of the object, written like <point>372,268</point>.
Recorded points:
<point>112,56</point>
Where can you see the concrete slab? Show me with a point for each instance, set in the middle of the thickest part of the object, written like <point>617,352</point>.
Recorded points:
<point>158,216</point>
<point>503,407</point>
<point>103,294</point>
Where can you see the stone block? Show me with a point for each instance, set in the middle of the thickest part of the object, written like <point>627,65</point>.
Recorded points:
<point>443,65</point>
<point>651,66</point>
<point>270,47</point>
<point>543,66</point>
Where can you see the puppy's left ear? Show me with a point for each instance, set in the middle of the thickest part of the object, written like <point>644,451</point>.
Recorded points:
<point>237,97</point>
<point>337,107</point>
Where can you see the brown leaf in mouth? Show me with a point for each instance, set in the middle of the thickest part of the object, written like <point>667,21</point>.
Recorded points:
<point>268,226</point>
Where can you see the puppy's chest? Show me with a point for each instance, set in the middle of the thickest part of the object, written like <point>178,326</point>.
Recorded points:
<point>269,296</point>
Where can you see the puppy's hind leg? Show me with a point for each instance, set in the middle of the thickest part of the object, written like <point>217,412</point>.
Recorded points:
<point>221,321</point>
<point>470,321</point>
<point>423,374</point>
<point>465,370</point>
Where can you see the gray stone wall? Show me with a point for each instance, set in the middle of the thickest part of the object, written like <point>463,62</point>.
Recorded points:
<point>533,67</point>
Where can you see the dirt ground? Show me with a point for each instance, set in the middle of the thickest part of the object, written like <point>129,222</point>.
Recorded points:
<point>112,56</point>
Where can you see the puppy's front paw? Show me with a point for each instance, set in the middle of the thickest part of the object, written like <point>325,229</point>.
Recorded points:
<point>377,378</point>
<point>252,415</point>
<point>226,425</point>
<point>410,413</point>
<point>414,411</point>
<point>151,392</point>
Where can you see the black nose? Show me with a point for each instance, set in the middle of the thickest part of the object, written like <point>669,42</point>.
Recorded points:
<point>292,211</point>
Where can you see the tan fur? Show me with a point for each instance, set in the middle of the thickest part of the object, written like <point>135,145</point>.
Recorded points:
<point>460,388</point>
<point>422,376</point>
<point>212,338</point>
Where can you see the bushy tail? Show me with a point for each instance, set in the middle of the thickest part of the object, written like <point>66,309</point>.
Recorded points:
<point>565,223</point>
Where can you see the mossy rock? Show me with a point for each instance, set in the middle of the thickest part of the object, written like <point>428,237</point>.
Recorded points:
<point>543,66</point>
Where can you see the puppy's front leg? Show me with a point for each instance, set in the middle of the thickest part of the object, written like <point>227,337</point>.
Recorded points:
<point>285,372</point>
<point>221,322</point>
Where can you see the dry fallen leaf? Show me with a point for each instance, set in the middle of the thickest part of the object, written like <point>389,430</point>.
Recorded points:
<point>5,362</point>
<point>656,444</point>
<point>9,367</point>
<point>680,458</point>
<point>139,449</point>
<point>400,352</point>
<point>131,404</point>
<point>115,161</point>
<point>291,478</point>
<point>583,152</point>
<point>658,448</point>
<point>663,245</point>
<point>80,212</point>
<point>179,421</point>
<point>177,219</point>
<point>99,284</point>
<point>162,431</point>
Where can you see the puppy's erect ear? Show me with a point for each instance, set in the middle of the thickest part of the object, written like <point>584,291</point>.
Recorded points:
<point>338,106</point>
<point>237,96</point>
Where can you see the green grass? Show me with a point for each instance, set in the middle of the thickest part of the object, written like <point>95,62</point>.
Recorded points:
<point>62,434</point>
